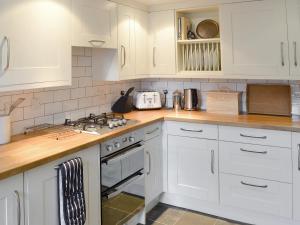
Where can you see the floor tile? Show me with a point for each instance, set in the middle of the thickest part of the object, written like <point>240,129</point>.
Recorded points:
<point>190,218</point>
<point>166,216</point>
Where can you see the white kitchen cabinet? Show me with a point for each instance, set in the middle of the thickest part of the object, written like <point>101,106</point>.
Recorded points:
<point>263,196</point>
<point>193,168</point>
<point>296,175</point>
<point>35,48</point>
<point>11,201</point>
<point>94,23</point>
<point>40,190</point>
<point>162,43</point>
<point>153,165</point>
<point>293,16</point>
<point>254,39</point>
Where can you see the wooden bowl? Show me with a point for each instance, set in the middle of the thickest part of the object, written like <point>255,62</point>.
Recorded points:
<point>208,29</point>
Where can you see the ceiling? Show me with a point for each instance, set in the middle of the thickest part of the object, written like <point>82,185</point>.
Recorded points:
<point>156,2</point>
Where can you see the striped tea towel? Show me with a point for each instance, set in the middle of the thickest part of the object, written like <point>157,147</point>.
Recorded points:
<point>72,210</point>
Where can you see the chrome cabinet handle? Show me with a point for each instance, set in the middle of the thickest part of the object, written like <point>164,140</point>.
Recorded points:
<point>19,206</point>
<point>249,136</point>
<point>298,156</point>
<point>212,162</point>
<point>96,41</point>
<point>254,185</point>
<point>295,54</point>
<point>250,151</point>
<point>149,169</point>
<point>6,40</point>
<point>123,53</point>
<point>282,53</point>
<point>154,56</point>
<point>197,131</point>
<point>151,132</point>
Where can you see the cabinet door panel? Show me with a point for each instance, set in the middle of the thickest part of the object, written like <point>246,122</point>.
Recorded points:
<point>9,202</point>
<point>153,165</point>
<point>296,175</point>
<point>254,39</point>
<point>162,39</point>
<point>94,23</point>
<point>41,197</point>
<point>40,48</point>
<point>193,167</point>
<point>126,39</point>
<point>293,15</point>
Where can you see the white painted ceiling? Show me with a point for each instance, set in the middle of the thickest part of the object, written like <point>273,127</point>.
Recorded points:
<point>156,2</point>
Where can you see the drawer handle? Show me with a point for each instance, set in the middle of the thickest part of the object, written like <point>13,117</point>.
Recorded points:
<point>254,185</point>
<point>151,132</point>
<point>257,137</point>
<point>245,150</point>
<point>197,131</point>
<point>212,162</point>
<point>19,206</point>
<point>298,156</point>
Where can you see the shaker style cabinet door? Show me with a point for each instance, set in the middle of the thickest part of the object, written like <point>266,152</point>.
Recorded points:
<point>162,43</point>
<point>254,39</point>
<point>94,23</point>
<point>293,16</point>
<point>296,175</point>
<point>153,165</point>
<point>11,201</point>
<point>40,188</point>
<point>35,45</point>
<point>193,168</point>
<point>126,41</point>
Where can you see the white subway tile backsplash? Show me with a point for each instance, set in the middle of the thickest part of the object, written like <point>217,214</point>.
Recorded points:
<point>70,105</point>
<point>78,51</point>
<point>19,126</point>
<point>34,111</point>
<point>52,108</point>
<point>77,93</point>
<point>28,99</point>
<point>43,119</point>
<point>61,95</point>
<point>44,97</point>
<point>84,61</point>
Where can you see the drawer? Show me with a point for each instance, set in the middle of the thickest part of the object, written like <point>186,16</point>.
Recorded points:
<point>271,163</point>
<point>256,195</point>
<point>152,131</point>
<point>256,136</point>
<point>197,130</point>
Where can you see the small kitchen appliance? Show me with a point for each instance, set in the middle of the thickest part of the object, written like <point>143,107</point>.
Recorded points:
<point>190,99</point>
<point>147,100</point>
<point>177,100</point>
<point>124,103</point>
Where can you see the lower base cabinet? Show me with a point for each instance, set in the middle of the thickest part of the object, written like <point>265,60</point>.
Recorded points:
<point>11,201</point>
<point>258,195</point>
<point>296,176</point>
<point>193,168</point>
<point>40,190</point>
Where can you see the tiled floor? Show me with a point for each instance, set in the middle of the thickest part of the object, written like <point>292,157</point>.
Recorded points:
<point>168,215</point>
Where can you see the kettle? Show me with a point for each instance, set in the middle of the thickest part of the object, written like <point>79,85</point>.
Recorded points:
<point>190,99</point>
<point>177,100</point>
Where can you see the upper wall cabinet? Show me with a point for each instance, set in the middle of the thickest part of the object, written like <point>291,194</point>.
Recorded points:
<point>35,46</point>
<point>162,43</point>
<point>94,23</point>
<point>254,39</point>
<point>293,15</point>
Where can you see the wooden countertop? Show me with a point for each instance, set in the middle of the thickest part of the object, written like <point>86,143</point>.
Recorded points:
<point>28,151</point>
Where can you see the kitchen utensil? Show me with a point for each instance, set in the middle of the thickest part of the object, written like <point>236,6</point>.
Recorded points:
<point>5,129</point>
<point>147,100</point>
<point>190,99</point>
<point>223,102</point>
<point>177,100</point>
<point>15,105</point>
<point>208,29</point>
<point>269,99</point>
<point>124,103</point>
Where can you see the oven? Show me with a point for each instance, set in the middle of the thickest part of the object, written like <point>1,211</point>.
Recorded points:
<point>122,180</point>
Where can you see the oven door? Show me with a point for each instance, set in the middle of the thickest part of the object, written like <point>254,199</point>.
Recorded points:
<point>123,185</point>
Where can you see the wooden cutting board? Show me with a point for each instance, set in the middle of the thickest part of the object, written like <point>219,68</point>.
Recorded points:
<point>269,99</point>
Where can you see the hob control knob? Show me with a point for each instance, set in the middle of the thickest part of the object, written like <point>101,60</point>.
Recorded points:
<point>117,145</point>
<point>109,148</point>
<point>131,139</point>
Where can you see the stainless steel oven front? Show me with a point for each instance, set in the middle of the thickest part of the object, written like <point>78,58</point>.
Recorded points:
<point>122,182</point>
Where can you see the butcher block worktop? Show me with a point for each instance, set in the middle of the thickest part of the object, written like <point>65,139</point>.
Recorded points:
<point>28,151</point>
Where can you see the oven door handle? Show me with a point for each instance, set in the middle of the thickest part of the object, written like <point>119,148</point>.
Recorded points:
<point>123,155</point>
<point>124,185</point>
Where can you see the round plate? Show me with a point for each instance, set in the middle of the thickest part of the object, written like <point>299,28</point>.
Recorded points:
<point>208,29</point>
